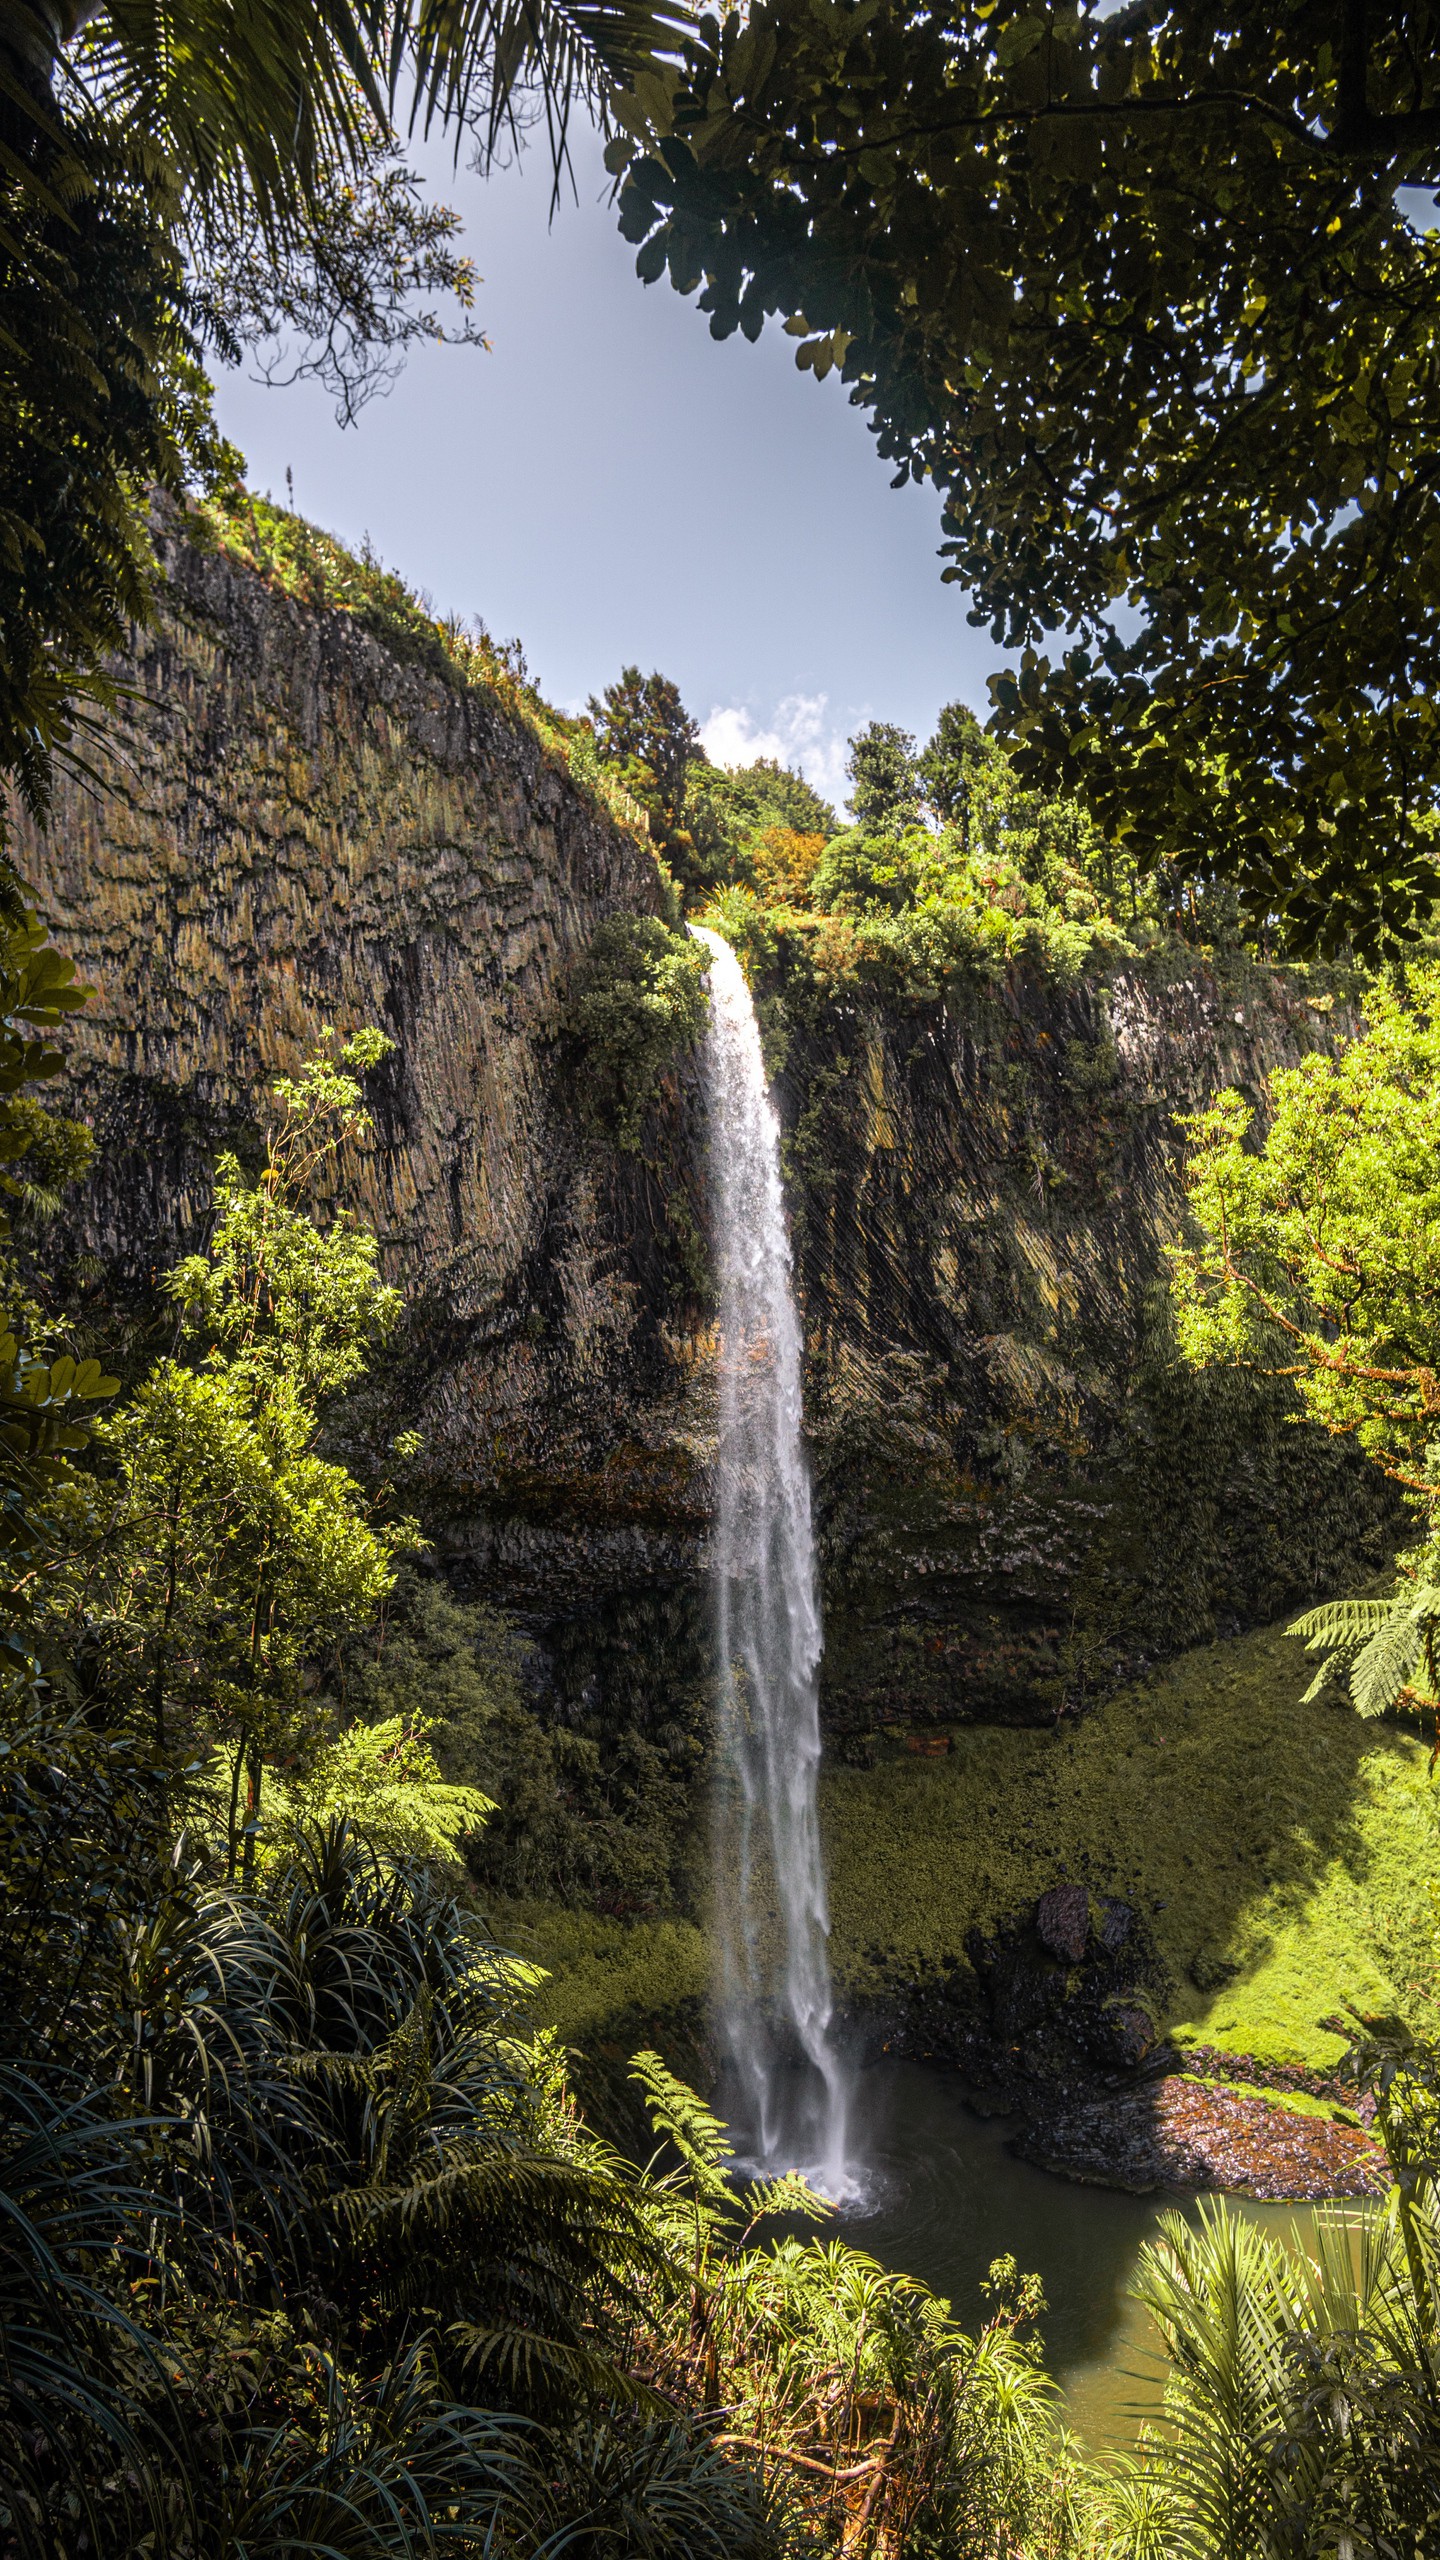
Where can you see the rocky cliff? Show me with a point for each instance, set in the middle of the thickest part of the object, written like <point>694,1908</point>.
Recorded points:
<point>298,828</point>
<point>1022,1495</point>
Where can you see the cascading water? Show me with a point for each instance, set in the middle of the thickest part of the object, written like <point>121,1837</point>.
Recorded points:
<point>773,1924</point>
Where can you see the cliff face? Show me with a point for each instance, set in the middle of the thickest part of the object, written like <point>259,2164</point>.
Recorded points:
<point>1021,1494</point>
<point>296,829</point>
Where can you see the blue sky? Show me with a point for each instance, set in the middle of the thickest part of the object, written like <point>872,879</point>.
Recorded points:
<point>610,484</point>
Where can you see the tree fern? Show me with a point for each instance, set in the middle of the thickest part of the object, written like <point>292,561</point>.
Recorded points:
<point>1377,1645</point>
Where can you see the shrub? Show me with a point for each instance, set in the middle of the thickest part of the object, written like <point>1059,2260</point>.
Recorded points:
<point>639,1000</point>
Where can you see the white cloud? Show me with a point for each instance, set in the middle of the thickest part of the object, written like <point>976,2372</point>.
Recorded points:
<point>799,733</point>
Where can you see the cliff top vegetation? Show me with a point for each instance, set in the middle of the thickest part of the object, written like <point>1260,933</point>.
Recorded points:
<point>1136,291</point>
<point>313,567</point>
<point>951,866</point>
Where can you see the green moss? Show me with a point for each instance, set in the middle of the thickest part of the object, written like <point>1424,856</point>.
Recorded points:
<point>1286,1857</point>
<point>602,1974</point>
<point>615,1988</point>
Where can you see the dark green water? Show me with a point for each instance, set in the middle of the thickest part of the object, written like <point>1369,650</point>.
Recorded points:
<point>947,2198</point>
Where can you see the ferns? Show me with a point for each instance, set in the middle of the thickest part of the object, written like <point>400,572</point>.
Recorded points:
<point>332,2267</point>
<point>1378,1644</point>
<point>342,2113</point>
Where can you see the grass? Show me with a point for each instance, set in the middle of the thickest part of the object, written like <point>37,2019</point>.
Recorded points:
<point>1286,1857</point>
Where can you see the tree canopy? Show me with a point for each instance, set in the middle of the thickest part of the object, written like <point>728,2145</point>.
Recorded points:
<point>642,724</point>
<point>1133,288</point>
<point>1316,1252</point>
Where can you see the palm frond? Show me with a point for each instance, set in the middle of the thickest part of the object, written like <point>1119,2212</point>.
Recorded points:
<point>472,59</point>
<point>527,2365</point>
<point>262,103</point>
<point>381,2473</point>
<point>1219,2296</point>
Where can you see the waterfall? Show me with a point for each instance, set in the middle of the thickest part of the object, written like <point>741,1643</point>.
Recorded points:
<point>772,1919</point>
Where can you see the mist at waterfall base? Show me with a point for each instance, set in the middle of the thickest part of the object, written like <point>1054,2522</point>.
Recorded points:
<point>783,2085</point>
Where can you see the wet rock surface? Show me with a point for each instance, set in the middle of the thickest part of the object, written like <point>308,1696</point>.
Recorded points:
<point>1176,2131</point>
<point>1075,1984</point>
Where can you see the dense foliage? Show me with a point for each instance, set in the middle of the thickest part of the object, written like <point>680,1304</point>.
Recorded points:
<point>642,725</point>
<point>711,824</point>
<point>639,999</point>
<point>952,869</point>
<point>1315,1258</point>
<point>1318,1250</point>
<point>303,2244</point>
<point>1133,288</point>
<point>950,865</point>
<point>99,398</point>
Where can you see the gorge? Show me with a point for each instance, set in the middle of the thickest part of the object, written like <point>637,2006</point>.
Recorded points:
<point>719,1442</point>
<point>1025,1513</point>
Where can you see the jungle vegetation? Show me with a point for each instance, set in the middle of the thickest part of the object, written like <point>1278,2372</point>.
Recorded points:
<point>304,2242</point>
<point>950,862</point>
<point>306,2239</point>
<point>1137,290</point>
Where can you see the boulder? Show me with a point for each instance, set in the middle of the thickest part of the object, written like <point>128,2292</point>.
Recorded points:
<point>1062,1917</point>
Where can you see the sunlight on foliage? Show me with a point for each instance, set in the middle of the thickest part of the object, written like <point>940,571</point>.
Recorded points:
<point>385,1779</point>
<point>1316,1256</point>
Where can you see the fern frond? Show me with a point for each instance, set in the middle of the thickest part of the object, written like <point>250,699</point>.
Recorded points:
<point>1340,1623</point>
<point>1378,1642</point>
<point>682,2118</point>
<point>1382,1668</point>
<point>789,2193</point>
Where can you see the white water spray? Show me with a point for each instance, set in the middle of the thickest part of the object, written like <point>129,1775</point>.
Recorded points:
<point>775,1993</point>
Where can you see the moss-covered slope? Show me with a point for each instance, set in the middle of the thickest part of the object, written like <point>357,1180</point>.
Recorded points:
<point>1286,1857</point>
